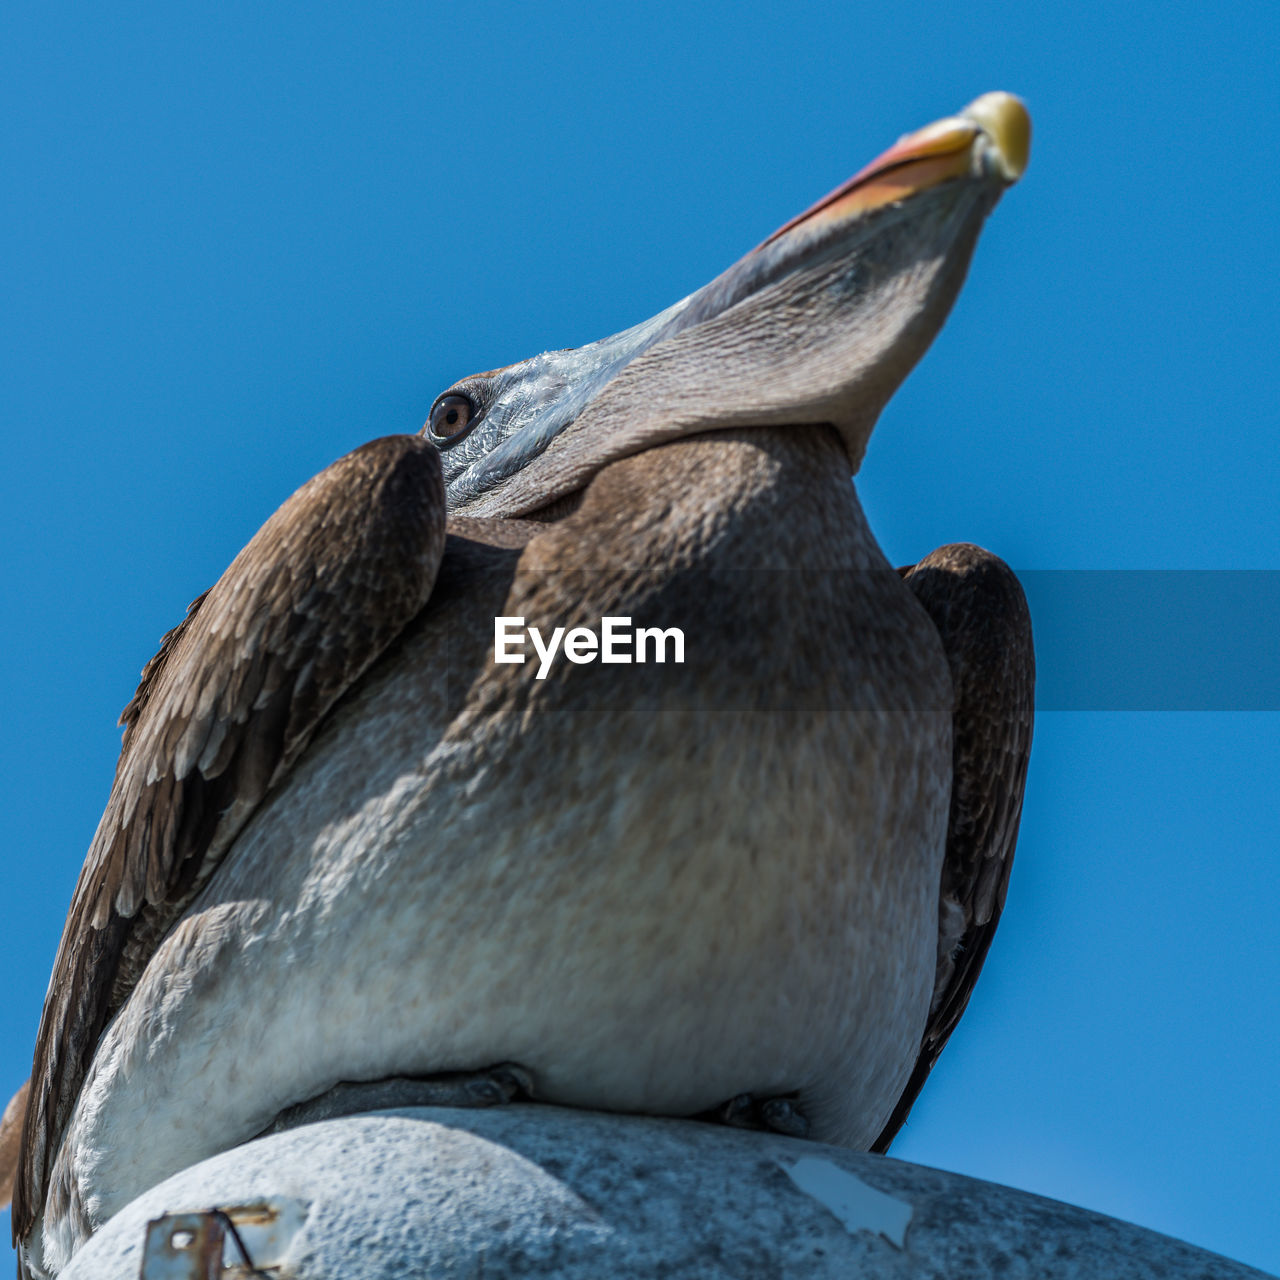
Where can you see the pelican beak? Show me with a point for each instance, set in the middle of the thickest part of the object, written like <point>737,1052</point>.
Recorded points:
<point>819,324</point>
<point>993,133</point>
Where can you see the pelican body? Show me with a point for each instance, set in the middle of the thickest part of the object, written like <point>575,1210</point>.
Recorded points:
<point>345,845</point>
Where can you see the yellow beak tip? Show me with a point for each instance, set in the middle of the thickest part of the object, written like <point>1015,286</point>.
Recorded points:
<point>1005,120</point>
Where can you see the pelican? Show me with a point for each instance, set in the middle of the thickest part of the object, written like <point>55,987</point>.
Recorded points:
<point>351,853</point>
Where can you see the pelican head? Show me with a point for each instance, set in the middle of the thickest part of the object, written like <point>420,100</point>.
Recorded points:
<point>818,324</point>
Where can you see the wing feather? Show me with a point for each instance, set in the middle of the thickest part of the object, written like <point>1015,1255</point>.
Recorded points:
<point>981,614</point>
<point>228,703</point>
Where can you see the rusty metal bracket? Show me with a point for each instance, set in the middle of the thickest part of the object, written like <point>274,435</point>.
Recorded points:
<point>196,1245</point>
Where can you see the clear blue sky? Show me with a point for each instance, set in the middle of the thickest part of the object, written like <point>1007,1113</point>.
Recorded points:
<point>239,240</point>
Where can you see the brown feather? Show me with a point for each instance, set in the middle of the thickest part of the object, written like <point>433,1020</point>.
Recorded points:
<point>11,1141</point>
<point>981,614</point>
<point>221,713</point>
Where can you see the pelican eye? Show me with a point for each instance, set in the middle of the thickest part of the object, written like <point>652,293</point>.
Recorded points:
<point>451,418</point>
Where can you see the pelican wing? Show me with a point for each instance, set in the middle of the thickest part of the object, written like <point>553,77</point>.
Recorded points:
<point>981,614</point>
<point>221,714</point>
